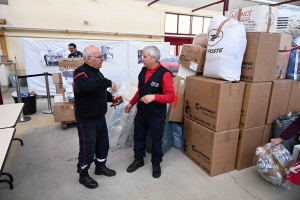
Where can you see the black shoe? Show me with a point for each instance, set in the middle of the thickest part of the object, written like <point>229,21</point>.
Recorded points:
<point>87,181</point>
<point>103,170</point>
<point>156,170</point>
<point>137,163</point>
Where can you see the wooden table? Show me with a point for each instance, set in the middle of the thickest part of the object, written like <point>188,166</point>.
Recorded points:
<point>6,137</point>
<point>9,114</point>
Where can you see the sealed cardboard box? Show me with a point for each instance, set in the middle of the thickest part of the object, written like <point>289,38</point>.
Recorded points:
<point>279,99</point>
<point>193,57</point>
<point>59,88</point>
<point>259,18</point>
<point>215,104</point>
<point>285,42</point>
<point>294,101</point>
<point>213,152</point>
<point>176,109</point>
<point>255,104</point>
<point>69,63</point>
<point>268,134</point>
<point>281,66</point>
<point>260,58</point>
<point>179,85</point>
<point>64,112</point>
<point>249,140</point>
<point>56,78</point>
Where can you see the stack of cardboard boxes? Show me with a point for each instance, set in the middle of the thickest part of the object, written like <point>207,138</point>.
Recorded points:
<point>224,122</point>
<point>64,98</point>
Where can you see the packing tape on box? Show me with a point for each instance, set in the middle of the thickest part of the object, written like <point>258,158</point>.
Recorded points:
<point>230,88</point>
<point>269,19</point>
<point>239,14</point>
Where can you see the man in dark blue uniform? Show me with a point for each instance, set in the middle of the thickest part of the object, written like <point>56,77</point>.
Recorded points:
<point>91,97</point>
<point>74,53</point>
<point>154,92</point>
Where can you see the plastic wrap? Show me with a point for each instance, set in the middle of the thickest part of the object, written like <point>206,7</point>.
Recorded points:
<point>177,133</point>
<point>282,123</point>
<point>167,140</point>
<point>121,124</point>
<point>273,164</point>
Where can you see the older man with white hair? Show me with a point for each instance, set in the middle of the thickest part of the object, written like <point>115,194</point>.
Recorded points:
<point>91,97</point>
<point>155,90</point>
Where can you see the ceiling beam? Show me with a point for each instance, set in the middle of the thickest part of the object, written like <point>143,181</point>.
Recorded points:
<point>152,2</point>
<point>285,2</point>
<point>208,5</point>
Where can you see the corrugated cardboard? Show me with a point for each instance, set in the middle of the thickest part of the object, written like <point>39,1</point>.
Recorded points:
<point>281,66</point>
<point>57,78</point>
<point>215,104</point>
<point>260,58</point>
<point>268,133</point>
<point>294,101</point>
<point>64,112</point>
<point>3,58</point>
<point>255,104</point>
<point>249,140</point>
<point>214,152</point>
<point>179,85</point>
<point>69,63</point>
<point>259,18</point>
<point>59,88</point>
<point>176,109</point>
<point>193,57</point>
<point>279,99</point>
<point>285,42</point>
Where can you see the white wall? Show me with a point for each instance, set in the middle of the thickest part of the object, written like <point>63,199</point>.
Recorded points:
<point>122,16</point>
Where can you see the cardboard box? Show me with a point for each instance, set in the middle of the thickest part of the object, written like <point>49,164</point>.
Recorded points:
<point>214,152</point>
<point>294,101</point>
<point>193,57</point>
<point>175,111</point>
<point>268,134</point>
<point>69,63</point>
<point>59,98</point>
<point>259,18</point>
<point>3,58</point>
<point>215,104</point>
<point>57,78</point>
<point>179,85</point>
<point>260,58</point>
<point>279,99</point>
<point>285,42</point>
<point>185,72</point>
<point>59,88</point>
<point>64,112</point>
<point>255,104</point>
<point>249,140</point>
<point>281,66</point>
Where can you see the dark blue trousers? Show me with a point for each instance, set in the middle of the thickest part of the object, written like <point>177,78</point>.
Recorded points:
<point>155,125</point>
<point>93,139</point>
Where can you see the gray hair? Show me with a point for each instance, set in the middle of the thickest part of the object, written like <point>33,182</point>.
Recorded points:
<point>86,53</point>
<point>153,52</point>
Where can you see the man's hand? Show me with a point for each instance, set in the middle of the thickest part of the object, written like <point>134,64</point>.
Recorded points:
<point>148,98</point>
<point>113,87</point>
<point>276,141</point>
<point>128,108</point>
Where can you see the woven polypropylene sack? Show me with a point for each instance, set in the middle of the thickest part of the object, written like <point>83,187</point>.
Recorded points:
<point>225,49</point>
<point>273,164</point>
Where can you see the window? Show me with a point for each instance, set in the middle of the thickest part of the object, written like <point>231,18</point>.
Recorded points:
<point>197,25</point>
<point>171,23</point>
<point>206,24</point>
<point>184,24</point>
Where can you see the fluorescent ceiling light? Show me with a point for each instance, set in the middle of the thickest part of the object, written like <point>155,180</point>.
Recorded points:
<point>264,1</point>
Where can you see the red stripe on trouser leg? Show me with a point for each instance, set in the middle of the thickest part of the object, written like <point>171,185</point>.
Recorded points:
<point>83,147</point>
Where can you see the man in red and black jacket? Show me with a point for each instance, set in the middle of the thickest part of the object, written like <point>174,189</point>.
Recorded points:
<point>290,136</point>
<point>155,90</point>
<point>91,97</point>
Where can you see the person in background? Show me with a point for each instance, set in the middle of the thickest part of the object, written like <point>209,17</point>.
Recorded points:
<point>74,53</point>
<point>155,90</point>
<point>91,97</point>
<point>289,137</point>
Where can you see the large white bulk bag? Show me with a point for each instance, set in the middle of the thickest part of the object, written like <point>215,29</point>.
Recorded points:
<point>225,49</point>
